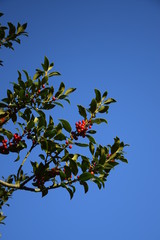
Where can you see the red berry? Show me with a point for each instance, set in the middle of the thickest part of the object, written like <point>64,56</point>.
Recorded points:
<point>70,146</point>
<point>92,172</point>
<point>53,98</point>
<point>90,126</point>
<point>43,86</point>
<point>26,94</point>
<point>67,142</point>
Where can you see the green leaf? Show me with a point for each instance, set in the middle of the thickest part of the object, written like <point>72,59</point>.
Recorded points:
<point>93,105</point>
<point>68,189</point>
<point>2,218</point>
<point>60,90</point>
<point>91,139</point>
<point>91,131</point>
<point>103,109</point>
<point>9,94</point>
<point>73,167</point>
<point>85,185</point>
<point>42,156</point>
<point>104,95</point>
<point>82,111</point>
<point>98,95</point>
<point>14,117</point>
<point>60,137</point>
<point>18,157</point>
<point>99,120</point>
<point>3,105</point>
<point>46,64</point>
<point>91,148</point>
<point>48,106</point>
<point>22,93</point>
<point>44,191</point>
<point>54,74</point>
<point>37,75</point>
<point>109,100</point>
<point>12,28</point>
<point>59,104</point>
<point>27,76</point>
<point>70,90</point>
<point>81,144</point>
<point>66,125</point>
<point>85,176</point>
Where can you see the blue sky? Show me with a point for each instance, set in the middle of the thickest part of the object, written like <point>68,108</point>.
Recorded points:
<point>109,45</point>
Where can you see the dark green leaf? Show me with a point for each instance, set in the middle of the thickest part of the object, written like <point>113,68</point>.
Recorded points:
<point>91,148</point>
<point>85,176</point>
<point>73,167</point>
<point>37,75</point>
<point>85,185</point>
<point>93,105</point>
<point>81,144</point>
<point>98,95</point>
<point>91,131</point>
<point>91,139</point>
<point>109,100</point>
<point>66,125</point>
<point>104,95</point>
<point>46,64</point>
<point>60,137</point>
<point>82,111</point>
<point>42,156</point>
<point>99,120</point>
<point>103,109</point>
<point>70,90</point>
<point>54,74</point>
<point>3,105</point>
<point>44,191</point>
<point>12,28</point>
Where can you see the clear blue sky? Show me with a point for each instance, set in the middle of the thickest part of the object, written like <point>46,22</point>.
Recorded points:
<point>110,45</point>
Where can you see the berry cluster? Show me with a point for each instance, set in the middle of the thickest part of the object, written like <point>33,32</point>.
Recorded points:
<point>14,142</point>
<point>81,129</point>
<point>39,180</point>
<point>54,172</point>
<point>5,147</point>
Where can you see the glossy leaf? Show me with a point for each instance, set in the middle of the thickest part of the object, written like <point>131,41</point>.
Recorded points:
<point>98,95</point>
<point>70,90</point>
<point>109,100</point>
<point>93,105</point>
<point>82,111</point>
<point>66,125</point>
<point>85,185</point>
<point>85,176</point>
<point>99,120</point>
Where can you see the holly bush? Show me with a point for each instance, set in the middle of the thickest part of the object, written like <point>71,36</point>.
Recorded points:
<point>29,108</point>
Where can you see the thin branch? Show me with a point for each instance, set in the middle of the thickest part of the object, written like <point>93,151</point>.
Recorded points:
<point>9,185</point>
<point>24,160</point>
<point>27,180</point>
